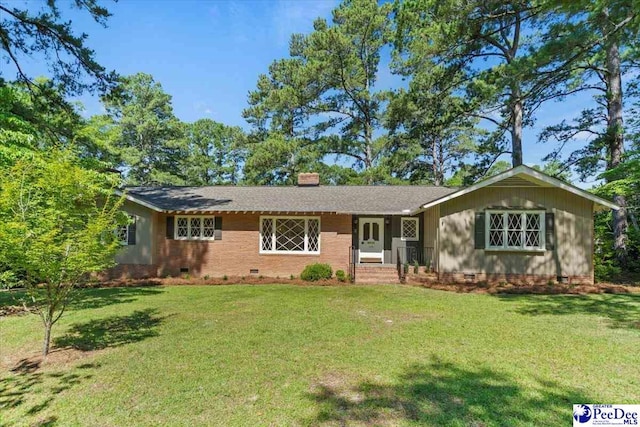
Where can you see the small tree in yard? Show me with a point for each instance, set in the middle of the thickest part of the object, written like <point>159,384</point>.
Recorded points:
<point>57,222</point>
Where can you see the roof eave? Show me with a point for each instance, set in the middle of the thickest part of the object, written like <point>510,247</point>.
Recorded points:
<point>598,201</point>
<point>139,201</point>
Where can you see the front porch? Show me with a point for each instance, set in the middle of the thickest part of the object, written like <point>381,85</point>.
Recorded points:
<point>386,247</point>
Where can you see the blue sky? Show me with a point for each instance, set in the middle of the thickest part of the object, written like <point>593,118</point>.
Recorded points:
<point>208,54</point>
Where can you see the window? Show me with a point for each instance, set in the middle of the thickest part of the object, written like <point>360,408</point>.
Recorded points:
<point>515,230</point>
<point>290,234</point>
<point>409,228</point>
<point>123,232</point>
<point>195,228</point>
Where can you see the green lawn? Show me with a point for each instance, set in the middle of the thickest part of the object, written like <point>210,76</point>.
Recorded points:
<point>287,355</point>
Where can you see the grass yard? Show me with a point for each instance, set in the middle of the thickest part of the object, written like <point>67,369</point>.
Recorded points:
<point>292,355</point>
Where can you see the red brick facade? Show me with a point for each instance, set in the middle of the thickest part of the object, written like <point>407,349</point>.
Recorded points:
<point>238,252</point>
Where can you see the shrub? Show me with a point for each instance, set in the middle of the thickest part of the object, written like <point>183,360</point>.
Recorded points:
<point>341,276</point>
<point>292,277</point>
<point>9,280</point>
<point>225,277</point>
<point>416,267</point>
<point>317,271</point>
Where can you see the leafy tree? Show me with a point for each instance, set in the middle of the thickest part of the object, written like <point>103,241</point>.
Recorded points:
<point>58,219</point>
<point>30,125</point>
<point>491,50</point>
<point>325,95</point>
<point>602,38</point>
<point>467,174</point>
<point>431,133</point>
<point>277,160</point>
<point>215,153</point>
<point>26,32</point>
<point>623,180</point>
<point>151,139</point>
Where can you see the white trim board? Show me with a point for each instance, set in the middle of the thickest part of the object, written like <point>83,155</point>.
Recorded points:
<point>530,174</point>
<point>138,201</point>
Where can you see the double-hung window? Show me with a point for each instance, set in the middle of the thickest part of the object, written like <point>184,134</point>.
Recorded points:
<point>290,235</point>
<point>194,227</point>
<point>515,230</point>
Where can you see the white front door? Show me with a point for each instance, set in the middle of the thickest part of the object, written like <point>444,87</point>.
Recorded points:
<point>371,237</point>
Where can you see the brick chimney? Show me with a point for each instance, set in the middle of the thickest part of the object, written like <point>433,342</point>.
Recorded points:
<point>308,179</point>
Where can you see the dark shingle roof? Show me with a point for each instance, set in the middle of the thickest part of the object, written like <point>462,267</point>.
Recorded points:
<point>342,199</point>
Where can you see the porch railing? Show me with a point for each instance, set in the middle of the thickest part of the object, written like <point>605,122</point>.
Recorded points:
<point>402,274</point>
<point>353,259</point>
<point>411,254</point>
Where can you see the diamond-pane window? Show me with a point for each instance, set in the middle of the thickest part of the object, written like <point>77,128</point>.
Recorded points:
<point>313,233</point>
<point>208,228</point>
<point>122,231</point>
<point>289,234</point>
<point>515,230</point>
<point>267,234</point>
<point>496,230</point>
<point>195,227</point>
<point>409,228</point>
<point>532,233</point>
<point>182,227</point>
<point>122,234</point>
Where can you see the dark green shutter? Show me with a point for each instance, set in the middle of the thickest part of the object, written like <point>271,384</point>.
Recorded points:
<point>479,230</point>
<point>170,225</point>
<point>131,232</point>
<point>217,228</point>
<point>549,235</point>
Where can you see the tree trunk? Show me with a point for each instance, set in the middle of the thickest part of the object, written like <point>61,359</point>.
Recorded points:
<point>435,165</point>
<point>615,135</point>
<point>368,155</point>
<point>47,338</point>
<point>516,128</point>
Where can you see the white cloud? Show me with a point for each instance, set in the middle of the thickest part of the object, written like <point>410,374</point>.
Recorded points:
<point>202,107</point>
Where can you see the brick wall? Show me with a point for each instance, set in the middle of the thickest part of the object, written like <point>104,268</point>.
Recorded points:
<point>238,250</point>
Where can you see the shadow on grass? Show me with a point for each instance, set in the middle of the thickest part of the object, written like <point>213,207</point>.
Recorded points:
<point>112,331</point>
<point>622,310</point>
<point>102,297</point>
<point>88,298</point>
<point>26,383</point>
<point>442,393</point>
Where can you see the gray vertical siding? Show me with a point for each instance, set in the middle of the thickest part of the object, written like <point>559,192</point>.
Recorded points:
<point>573,254</point>
<point>430,231</point>
<point>143,252</point>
